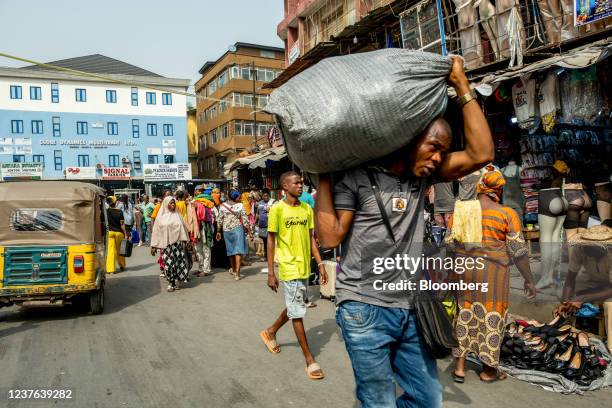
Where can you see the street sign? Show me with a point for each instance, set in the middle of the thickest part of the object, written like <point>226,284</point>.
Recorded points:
<point>167,172</point>
<point>115,173</point>
<point>21,171</point>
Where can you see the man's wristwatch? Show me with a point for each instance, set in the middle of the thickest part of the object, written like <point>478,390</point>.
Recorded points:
<point>465,98</point>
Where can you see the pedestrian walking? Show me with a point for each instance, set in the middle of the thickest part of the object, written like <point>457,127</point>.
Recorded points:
<point>181,204</point>
<point>261,218</point>
<point>125,205</point>
<point>171,239</point>
<point>291,240</point>
<point>139,218</point>
<point>116,233</point>
<point>235,225</point>
<point>219,258</point>
<point>502,242</point>
<point>376,212</point>
<point>203,214</point>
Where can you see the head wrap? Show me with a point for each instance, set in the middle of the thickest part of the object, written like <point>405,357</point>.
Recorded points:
<point>561,167</point>
<point>169,227</point>
<point>216,196</point>
<point>113,198</point>
<point>234,195</point>
<point>491,183</point>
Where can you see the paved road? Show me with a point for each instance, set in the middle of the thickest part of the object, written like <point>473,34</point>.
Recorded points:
<point>199,347</point>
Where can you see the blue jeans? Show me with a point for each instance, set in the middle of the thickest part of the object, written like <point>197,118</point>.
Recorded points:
<point>385,346</point>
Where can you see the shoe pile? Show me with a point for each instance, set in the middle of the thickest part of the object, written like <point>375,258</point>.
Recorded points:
<point>554,347</point>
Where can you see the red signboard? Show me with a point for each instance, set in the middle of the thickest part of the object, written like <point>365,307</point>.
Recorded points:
<point>115,173</point>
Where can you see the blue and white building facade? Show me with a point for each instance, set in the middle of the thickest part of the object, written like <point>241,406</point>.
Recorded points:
<point>64,120</point>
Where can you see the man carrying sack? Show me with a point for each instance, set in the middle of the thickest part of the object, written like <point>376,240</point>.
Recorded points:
<point>376,212</point>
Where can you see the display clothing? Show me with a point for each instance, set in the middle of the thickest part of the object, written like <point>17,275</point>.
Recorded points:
<point>469,32</point>
<point>512,195</point>
<point>579,205</point>
<point>552,208</point>
<point>552,203</point>
<point>548,98</point>
<point>525,104</point>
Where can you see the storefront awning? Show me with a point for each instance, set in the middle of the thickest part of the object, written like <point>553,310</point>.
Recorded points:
<point>278,154</point>
<point>577,58</point>
<point>257,160</point>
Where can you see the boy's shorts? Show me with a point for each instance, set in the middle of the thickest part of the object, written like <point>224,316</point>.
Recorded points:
<point>295,297</point>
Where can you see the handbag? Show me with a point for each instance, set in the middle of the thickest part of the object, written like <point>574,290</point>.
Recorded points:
<point>125,249</point>
<point>244,227</point>
<point>434,324</point>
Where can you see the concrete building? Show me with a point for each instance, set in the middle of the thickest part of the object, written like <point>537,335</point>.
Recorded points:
<point>310,22</point>
<point>226,121</point>
<point>62,120</point>
<point>193,146</point>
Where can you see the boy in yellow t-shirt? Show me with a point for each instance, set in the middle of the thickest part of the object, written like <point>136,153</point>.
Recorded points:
<point>290,236</point>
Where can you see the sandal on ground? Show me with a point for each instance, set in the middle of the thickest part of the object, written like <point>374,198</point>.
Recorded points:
<point>162,275</point>
<point>197,274</point>
<point>270,343</point>
<point>499,376</point>
<point>310,305</point>
<point>170,288</point>
<point>314,372</point>
<point>458,378</point>
<point>237,278</point>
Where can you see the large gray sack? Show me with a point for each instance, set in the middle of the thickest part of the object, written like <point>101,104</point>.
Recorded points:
<point>348,110</point>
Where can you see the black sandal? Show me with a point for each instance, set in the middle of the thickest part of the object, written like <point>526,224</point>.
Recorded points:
<point>458,378</point>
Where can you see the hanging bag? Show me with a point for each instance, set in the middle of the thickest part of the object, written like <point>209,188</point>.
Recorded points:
<point>434,324</point>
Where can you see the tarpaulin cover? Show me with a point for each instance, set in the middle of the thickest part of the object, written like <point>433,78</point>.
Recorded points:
<point>47,213</point>
<point>348,110</point>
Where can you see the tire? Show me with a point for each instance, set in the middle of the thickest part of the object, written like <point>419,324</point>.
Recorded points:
<point>96,301</point>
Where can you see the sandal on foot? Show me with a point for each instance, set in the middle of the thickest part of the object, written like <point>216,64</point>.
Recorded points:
<point>170,288</point>
<point>499,376</point>
<point>270,343</point>
<point>311,371</point>
<point>458,378</point>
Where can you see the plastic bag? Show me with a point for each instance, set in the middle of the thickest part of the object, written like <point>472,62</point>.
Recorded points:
<point>348,110</point>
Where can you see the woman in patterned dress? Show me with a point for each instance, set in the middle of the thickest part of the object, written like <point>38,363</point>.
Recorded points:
<point>233,221</point>
<point>482,315</point>
<point>171,238</point>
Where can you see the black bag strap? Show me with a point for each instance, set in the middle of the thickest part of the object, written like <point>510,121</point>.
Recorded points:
<point>381,206</point>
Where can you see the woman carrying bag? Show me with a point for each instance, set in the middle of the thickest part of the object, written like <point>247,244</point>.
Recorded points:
<point>235,224</point>
<point>170,237</point>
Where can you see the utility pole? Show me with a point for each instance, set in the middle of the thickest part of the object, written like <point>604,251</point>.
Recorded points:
<point>254,74</point>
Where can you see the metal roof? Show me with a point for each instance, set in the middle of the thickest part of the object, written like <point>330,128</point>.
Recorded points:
<point>208,64</point>
<point>580,57</point>
<point>97,64</point>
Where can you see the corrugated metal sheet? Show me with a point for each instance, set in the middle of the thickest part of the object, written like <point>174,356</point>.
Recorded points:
<point>97,64</point>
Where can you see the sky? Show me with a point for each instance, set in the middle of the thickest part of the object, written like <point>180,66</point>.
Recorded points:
<point>171,38</point>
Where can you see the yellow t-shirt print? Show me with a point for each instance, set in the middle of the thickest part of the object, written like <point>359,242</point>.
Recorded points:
<point>292,227</point>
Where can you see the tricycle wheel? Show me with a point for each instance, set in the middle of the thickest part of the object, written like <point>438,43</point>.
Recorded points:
<point>96,301</point>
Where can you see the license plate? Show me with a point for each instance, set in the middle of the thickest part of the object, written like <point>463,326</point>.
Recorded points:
<point>50,255</point>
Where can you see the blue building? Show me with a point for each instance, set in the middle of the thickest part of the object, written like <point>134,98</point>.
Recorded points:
<point>129,117</point>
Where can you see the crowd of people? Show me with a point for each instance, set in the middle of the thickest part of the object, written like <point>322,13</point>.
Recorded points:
<point>210,228</point>
<point>375,210</point>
